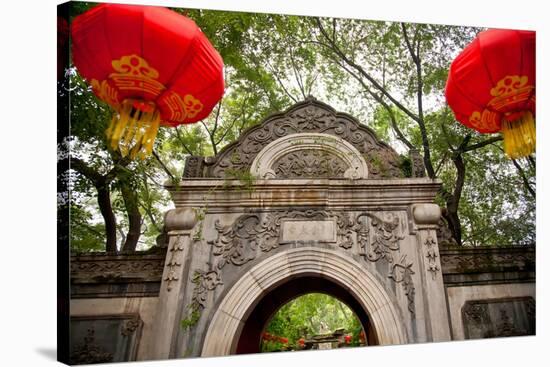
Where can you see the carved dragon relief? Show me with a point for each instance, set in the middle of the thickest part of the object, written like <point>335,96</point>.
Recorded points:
<point>254,233</point>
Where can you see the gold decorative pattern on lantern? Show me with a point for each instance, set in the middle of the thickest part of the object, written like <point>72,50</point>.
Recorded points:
<point>134,73</point>
<point>512,89</point>
<point>182,108</point>
<point>105,92</point>
<point>486,120</point>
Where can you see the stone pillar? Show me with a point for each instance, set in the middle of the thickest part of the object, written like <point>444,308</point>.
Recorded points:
<point>179,224</point>
<point>426,218</point>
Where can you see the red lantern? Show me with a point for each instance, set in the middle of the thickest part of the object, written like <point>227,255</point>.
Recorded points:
<point>491,87</point>
<point>301,342</point>
<point>347,339</point>
<point>152,65</point>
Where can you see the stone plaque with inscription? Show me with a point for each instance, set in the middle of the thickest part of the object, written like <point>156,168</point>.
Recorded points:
<point>308,231</point>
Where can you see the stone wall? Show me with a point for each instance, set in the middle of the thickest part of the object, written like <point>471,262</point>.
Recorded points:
<point>113,302</point>
<point>490,291</point>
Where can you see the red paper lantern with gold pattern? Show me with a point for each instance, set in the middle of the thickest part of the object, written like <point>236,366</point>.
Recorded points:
<point>491,87</point>
<point>152,65</point>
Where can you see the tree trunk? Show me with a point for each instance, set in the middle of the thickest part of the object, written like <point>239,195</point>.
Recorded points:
<point>101,184</point>
<point>134,218</point>
<point>452,201</point>
<point>104,202</point>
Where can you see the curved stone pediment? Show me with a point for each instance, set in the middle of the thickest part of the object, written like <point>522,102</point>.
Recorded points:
<point>309,116</point>
<point>309,155</point>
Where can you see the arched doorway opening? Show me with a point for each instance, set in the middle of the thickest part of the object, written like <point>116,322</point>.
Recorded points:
<point>257,321</point>
<point>233,311</point>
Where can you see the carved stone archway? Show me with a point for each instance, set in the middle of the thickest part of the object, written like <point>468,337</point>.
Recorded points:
<point>228,320</point>
<point>233,242</point>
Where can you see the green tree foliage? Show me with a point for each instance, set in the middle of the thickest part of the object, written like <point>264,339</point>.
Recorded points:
<point>390,76</point>
<point>309,315</point>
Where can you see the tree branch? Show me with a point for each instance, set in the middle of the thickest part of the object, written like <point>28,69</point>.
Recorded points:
<point>482,143</point>
<point>163,165</point>
<point>380,100</point>
<point>180,139</point>
<point>297,75</point>
<point>339,52</point>
<point>524,179</point>
<point>281,83</point>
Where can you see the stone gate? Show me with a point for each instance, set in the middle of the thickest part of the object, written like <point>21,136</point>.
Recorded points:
<point>308,200</point>
<point>307,194</point>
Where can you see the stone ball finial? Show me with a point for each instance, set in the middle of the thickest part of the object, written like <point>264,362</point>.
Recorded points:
<point>426,214</point>
<point>180,219</point>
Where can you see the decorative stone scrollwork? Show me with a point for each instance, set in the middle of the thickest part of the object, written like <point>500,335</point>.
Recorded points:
<point>88,352</point>
<point>309,163</point>
<point>401,272</point>
<point>385,239</point>
<point>431,255</point>
<point>310,116</point>
<point>173,264</point>
<point>382,246</point>
<point>506,326</point>
<point>476,313</point>
<point>467,260</point>
<point>346,229</point>
<point>238,243</point>
<point>309,155</point>
<point>204,281</point>
<point>130,326</point>
<point>106,268</point>
<point>254,233</point>
<point>498,317</point>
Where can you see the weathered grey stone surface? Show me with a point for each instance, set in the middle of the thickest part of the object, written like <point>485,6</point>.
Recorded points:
<point>123,275</point>
<point>492,279</point>
<point>139,308</point>
<point>107,338</point>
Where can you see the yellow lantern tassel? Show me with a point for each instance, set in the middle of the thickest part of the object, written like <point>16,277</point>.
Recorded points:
<point>519,136</point>
<point>149,137</point>
<point>118,125</point>
<point>133,130</point>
